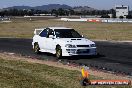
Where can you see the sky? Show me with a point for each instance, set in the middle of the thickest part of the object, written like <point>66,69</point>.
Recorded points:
<point>97,4</point>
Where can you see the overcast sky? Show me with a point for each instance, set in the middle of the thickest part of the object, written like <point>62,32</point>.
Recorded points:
<point>98,4</point>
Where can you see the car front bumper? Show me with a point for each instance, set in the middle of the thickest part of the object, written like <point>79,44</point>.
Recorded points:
<point>79,51</point>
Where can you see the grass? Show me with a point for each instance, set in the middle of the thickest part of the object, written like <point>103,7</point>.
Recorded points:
<point>101,31</point>
<point>23,74</point>
<point>17,74</point>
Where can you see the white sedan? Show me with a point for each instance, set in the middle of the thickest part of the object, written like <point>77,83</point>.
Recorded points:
<point>62,41</point>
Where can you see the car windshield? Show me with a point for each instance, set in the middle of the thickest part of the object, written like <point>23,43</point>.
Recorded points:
<point>67,33</point>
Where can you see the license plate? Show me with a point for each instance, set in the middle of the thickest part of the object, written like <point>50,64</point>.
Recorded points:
<point>83,51</point>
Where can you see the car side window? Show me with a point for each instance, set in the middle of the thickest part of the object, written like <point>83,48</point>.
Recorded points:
<point>43,33</point>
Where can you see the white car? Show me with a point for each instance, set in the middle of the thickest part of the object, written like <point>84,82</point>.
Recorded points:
<point>62,41</point>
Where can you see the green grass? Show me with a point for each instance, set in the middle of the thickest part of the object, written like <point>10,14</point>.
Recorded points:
<point>17,74</point>
<point>102,31</point>
<point>22,74</point>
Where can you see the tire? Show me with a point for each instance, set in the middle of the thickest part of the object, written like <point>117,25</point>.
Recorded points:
<point>58,52</point>
<point>36,48</point>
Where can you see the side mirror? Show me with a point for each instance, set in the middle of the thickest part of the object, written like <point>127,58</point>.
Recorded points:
<point>82,36</point>
<point>51,36</point>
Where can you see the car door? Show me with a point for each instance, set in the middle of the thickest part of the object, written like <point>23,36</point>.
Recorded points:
<point>50,40</point>
<point>43,39</point>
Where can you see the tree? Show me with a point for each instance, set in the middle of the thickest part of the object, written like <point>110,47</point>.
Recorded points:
<point>130,12</point>
<point>1,14</point>
<point>61,12</point>
<point>129,16</point>
<point>121,17</point>
<point>105,16</point>
<point>54,12</point>
<point>113,12</point>
<point>71,12</point>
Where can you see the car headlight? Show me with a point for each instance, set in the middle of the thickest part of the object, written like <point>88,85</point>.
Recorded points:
<point>70,46</point>
<point>92,45</point>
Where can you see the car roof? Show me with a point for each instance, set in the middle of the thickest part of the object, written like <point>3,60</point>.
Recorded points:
<point>59,28</point>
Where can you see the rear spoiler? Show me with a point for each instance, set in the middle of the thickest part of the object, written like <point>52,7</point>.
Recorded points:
<point>37,31</point>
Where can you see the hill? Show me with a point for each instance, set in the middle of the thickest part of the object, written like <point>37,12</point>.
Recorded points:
<point>43,7</point>
<point>51,7</point>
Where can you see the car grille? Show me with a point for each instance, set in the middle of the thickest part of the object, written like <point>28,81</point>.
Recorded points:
<point>82,45</point>
<point>79,51</point>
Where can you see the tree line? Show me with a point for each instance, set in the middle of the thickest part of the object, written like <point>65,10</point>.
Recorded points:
<point>59,12</point>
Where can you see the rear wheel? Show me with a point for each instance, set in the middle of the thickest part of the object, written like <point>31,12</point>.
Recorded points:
<point>58,52</point>
<point>36,48</point>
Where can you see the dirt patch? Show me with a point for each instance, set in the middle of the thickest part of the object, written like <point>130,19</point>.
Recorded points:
<point>97,73</point>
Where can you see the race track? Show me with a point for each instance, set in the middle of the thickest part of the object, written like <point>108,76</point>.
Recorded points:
<point>115,57</point>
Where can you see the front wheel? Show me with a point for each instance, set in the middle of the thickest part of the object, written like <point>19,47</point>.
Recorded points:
<point>58,52</point>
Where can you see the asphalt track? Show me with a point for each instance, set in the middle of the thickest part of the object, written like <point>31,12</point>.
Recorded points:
<point>114,57</point>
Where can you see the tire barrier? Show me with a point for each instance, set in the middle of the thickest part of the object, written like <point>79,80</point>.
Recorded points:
<point>97,20</point>
<point>94,20</point>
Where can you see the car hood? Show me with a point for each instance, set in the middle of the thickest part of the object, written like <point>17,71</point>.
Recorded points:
<point>76,41</point>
